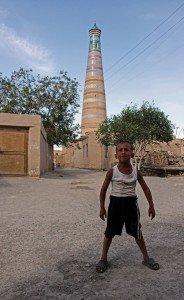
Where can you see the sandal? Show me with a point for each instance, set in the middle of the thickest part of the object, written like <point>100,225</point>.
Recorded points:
<point>102,266</point>
<point>151,263</point>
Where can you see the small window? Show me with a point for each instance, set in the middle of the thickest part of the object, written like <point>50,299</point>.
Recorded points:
<point>83,150</point>
<point>86,150</point>
<point>106,151</point>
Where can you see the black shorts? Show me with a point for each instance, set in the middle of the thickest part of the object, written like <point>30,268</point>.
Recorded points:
<point>123,210</point>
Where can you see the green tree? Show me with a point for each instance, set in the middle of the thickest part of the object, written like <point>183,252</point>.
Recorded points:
<point>54,98</point>
<point>142,126</point>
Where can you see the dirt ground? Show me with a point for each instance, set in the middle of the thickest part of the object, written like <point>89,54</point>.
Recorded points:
<point>51,239</point>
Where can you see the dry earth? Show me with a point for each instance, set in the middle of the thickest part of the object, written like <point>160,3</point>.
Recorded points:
<point>51,240</point>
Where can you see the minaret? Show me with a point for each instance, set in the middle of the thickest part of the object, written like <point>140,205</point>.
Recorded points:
<point>94,103</point>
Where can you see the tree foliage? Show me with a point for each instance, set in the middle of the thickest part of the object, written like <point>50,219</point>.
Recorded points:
<point>142,126</point>
<point>54,98</point>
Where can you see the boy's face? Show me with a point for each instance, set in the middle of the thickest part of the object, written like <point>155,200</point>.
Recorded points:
<point>124,152</point>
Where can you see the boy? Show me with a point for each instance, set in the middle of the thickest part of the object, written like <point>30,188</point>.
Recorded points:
<point>123,207</point>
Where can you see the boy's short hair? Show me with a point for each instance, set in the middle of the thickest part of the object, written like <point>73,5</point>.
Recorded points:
<point>125,141</point>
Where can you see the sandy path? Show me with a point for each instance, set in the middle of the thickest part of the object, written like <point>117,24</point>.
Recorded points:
<point>51,240</point>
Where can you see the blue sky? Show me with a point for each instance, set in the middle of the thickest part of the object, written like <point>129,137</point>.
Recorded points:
<point>49,36</point>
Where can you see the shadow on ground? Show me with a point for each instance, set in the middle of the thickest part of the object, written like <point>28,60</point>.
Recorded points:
<point>68,173</point>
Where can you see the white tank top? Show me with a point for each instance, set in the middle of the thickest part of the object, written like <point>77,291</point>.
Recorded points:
<point>123,185</point>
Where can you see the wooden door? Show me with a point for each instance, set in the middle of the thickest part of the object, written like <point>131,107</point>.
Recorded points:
<point>13,151</point>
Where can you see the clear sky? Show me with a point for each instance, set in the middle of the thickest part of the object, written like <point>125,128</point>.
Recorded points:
<point>49,36</point>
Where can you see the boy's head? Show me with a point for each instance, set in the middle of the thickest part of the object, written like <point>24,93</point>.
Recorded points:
<point>124,151</point>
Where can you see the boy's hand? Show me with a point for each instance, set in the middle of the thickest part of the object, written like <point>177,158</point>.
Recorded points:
<point>103,213</point>
<point>151,212</point>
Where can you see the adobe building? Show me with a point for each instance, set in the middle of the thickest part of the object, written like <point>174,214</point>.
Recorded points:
<point>24,150</point>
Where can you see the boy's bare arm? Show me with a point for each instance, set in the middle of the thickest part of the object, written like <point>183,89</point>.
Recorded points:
<point>103,194</point>
<point>147,192</point>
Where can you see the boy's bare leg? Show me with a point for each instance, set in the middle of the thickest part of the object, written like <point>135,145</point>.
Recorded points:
<point>103,263</point>
<point>149,262</point>
<point>106,245</point>
<point>143,249</point>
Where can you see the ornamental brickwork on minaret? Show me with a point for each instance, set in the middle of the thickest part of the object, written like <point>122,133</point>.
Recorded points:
<point>94,102</point>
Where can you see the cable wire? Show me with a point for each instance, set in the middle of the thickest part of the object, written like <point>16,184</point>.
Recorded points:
<point>140,73</point>
<point>164,21</point>
<point>141,52</point>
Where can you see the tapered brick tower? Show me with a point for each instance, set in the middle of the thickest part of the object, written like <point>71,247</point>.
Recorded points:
<point>94,103</point>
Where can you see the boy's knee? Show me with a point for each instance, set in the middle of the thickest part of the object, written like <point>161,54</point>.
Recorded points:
<point>139,239</point>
